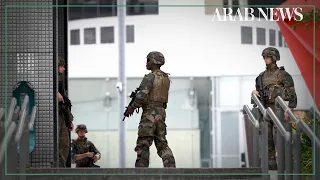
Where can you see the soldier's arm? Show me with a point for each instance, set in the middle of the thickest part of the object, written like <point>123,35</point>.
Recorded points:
<point>96,151</point>
<point>289,90</point>
<point>144,89</point>
<point>74,156</point>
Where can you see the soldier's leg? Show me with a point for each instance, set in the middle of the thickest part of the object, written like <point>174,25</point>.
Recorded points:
<point>271,147</point>
<point>144,141</point>
<point>64,144</point>
<point>162,146</point>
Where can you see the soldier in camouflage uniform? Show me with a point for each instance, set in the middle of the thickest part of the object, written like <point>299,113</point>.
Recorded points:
<point>64,128</point>
<point>276,82</point>
<point>83,151</point>
<point>152,98</point>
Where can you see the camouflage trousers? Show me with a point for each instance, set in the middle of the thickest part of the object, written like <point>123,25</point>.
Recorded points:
<point>152,127</point>
<point>64,142</point>
<point>271,146</point>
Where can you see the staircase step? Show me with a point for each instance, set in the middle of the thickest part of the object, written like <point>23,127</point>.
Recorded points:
<point>143,173</point>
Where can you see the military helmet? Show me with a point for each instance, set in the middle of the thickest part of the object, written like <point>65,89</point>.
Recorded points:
<point>271,52</point>
<point>81,127</point>
<point>156,58</point>
<point>61,62</point>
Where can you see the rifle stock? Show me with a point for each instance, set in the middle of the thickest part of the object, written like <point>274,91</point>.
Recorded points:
<point>260,89</point>
<point>133,97</point>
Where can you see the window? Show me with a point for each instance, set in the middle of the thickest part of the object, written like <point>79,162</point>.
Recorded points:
<point>246,35</point>
<point>108,11</point>
<point>130,34</point>
<point>261,36</point>
<point>235,6</point>
<point>272,37</point>
<point>253,4</point>
<point>75,37</point>
<point>280,39</point>
<point>90,12</point>
<point>107,35</point>
<point>75,12</point>
<point>89,35</point>
<point>226,5</point>
<point>143,7</point>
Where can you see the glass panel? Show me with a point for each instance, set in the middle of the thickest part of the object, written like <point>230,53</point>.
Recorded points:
<point>230,132</point>
<point>229,93</point>
<point>230,162</point>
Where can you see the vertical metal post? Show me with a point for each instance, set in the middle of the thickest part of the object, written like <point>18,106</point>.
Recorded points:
<point>255,140</point>
<point>24,152</point>
<point>264,150</point>
<point>122,81</point>
<point>12,159</point>
<point>288,152</point>
<point>2,140</point>
<point>280,148</point>
<point>317,154</point>
<point>255,147</point>
<point>213,123</point>
<point>297,152</point>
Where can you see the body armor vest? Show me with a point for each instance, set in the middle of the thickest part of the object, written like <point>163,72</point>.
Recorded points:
<point>272,85</point>
<point>81,146</point>
<point>160,91</point>
<point>269,79</point>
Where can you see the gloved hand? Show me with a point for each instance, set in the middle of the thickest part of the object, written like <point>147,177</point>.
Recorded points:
<point>129,112</point>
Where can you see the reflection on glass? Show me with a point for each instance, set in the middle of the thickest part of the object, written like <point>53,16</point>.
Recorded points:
<point>140,7</point>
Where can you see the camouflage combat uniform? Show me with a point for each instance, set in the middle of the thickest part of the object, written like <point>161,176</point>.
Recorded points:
<point>153,98</point>
<point>81,146</point>
<point>64,134</point>
<point>276,82</point>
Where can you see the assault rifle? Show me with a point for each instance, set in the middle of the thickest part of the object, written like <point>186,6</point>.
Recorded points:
<point>133,97</point>
<point>66,109</point>
<point>262,92</point>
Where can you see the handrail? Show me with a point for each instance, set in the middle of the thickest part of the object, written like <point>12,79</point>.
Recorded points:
<point>259,104</point>
<point>22,118</point>
<point>251,117</point>
<point>1,113</point>
<point>279,125</point>
<point>305,128</point>
<point>269,113</point>
<point>33,116</point>
<point>11,129</point>
<point>11,111</point>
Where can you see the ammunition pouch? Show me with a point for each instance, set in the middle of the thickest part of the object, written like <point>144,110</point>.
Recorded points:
<point>274,92</point>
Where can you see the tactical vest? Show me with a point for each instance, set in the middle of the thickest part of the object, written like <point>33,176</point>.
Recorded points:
<point>270,80</point>
<point>80,147</point>
<point>272,85</point>
<point>160,91</point>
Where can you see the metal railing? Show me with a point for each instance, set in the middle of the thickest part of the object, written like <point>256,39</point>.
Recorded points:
<point>288,148</point>
<point>15,133</point>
